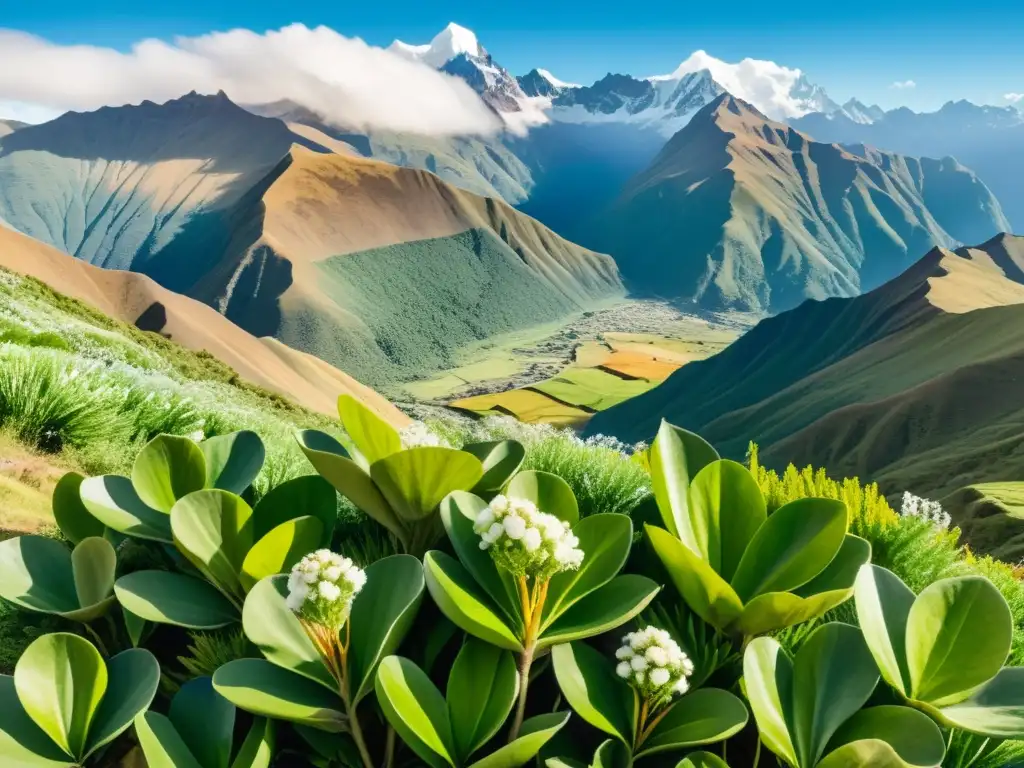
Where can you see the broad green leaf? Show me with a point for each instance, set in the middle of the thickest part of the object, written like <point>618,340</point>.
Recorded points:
<point>416,710</point>
<point>604,609</point>
<point>61,679</point>
<point>415,481</point>
<point>958,636</point>
<point>257,750</point>
<point>612,754</point>
<point>912,735</point>
<point>702,760</point>
<point>704,591</point>
<point>298,497</point>
<point>267,690</point>
<point>768,684</point>
<point>112,500</point>
<point>588,681</point>
<point>883,607</point>
<point>275,630</point>
<point>841,574</point>
<point>606,540</point>
<point>676,456</point>
<point>73,519</point>
<point>35,573</point>
<point>867,753</point>
<point>213,529</point>
<point>134,625</point>
<point>464,602</point>
<point>535,733</point>
<point>500,459</point>
<point>482,688</point>
<point>382,614</point>
<point>205,720</point>
<point>549,492</point>
<point>331,461</point>
<point>725,509</point>
<point>22,743</point>
<point>166,469</point>
<point>833,677</point>
<point>174,598</point>
<point>704,716</point>
<point>132,680</point>
<point>996,709</point>
<point>233,461</point>
<point>459,511</point>
<point>93,563</point>
<point>162,744</point>
<point>280,549</point>
<point>794,545</point>
<point>373,437</point>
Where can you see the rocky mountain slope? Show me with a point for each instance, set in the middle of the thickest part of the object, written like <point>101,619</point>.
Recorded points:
<point>138,300</point>
<point>282,230</point>
<point>915,384</point>
<point>739,211</point>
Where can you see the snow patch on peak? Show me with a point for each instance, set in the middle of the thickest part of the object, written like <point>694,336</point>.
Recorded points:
<point>452,41</point>
<point>778,91</point>
<point>555,81</point>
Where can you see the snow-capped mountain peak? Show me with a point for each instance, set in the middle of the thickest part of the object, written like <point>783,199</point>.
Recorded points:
<point>452,41</point>
<point>555,81</point>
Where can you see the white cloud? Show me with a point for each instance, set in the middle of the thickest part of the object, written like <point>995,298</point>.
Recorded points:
<point>903,84</point>
<point>1014,96</point>
<point>350,83</point>
<point>768,86</point>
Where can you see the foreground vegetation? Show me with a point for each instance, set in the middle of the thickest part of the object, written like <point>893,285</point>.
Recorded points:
<point>596,604</point>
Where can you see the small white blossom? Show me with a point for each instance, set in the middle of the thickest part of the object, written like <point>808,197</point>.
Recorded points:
<point>322,586</point>
<point>925,509</point>
<point>526,541</point>
<point>418,435</point>
<point>654,664</point>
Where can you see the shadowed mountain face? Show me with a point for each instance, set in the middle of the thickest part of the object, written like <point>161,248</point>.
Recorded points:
<point>268,223</point>
<point>915,384</point>
<point>740,211</point>
<point>989,140</point>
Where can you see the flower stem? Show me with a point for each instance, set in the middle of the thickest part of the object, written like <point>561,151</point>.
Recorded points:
<point>346,696</point>
<point>533,609</point>
<point>389,748</point>
<point>97,639</point>
<point>525,662</point>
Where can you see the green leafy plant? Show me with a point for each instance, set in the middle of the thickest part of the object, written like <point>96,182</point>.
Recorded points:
<point>42,574</point>
<point>742,571</point>
<point>808,708</point>
<point>943,650</point>
<point>198,732</point>
<point>448,730</point>
<point>400,489</point>
<point>644,717</point>
<point>311,675</point>
<point>528,601</point>
<point>64,703</point>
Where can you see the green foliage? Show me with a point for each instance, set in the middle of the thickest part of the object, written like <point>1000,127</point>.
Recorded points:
<point>208,651</point>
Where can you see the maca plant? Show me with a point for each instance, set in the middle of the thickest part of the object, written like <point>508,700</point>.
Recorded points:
<point>323,630</point>
<point>65,704</point>
<point>529,575</point>
<point>447,731</point>
<point>808,708</point>
<point>742,571</point>
<point>399,487</point>
<point>943,650</point>
<point>641,697</point>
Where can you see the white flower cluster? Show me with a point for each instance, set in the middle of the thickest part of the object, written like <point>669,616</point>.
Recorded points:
<point>932,511</point>
<point>525,541</point>
<point>321,587</point>
<point>653,663</point>
<point>419,435</point>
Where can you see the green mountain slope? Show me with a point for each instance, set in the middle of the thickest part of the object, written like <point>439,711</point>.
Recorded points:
<point>743,212</point>
<point>914,384</point>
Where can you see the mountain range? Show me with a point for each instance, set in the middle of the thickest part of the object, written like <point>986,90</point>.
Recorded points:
<point>291,234</point>
<point>915,384</point>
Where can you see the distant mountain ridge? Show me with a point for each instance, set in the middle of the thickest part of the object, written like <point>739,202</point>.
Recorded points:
<point>269,225</point>
<point>915,384</point>
<point>739,211</point>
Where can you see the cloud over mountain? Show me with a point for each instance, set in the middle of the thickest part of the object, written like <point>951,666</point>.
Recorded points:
<point>902,85</point>
<point>351,83</point>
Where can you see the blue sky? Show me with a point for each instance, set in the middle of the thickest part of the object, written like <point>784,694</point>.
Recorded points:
<point>949,50</point>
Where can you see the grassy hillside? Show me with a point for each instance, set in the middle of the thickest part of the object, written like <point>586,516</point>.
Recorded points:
<point>991,518</point>
<point>739,211</point>
<point>915,385</point>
